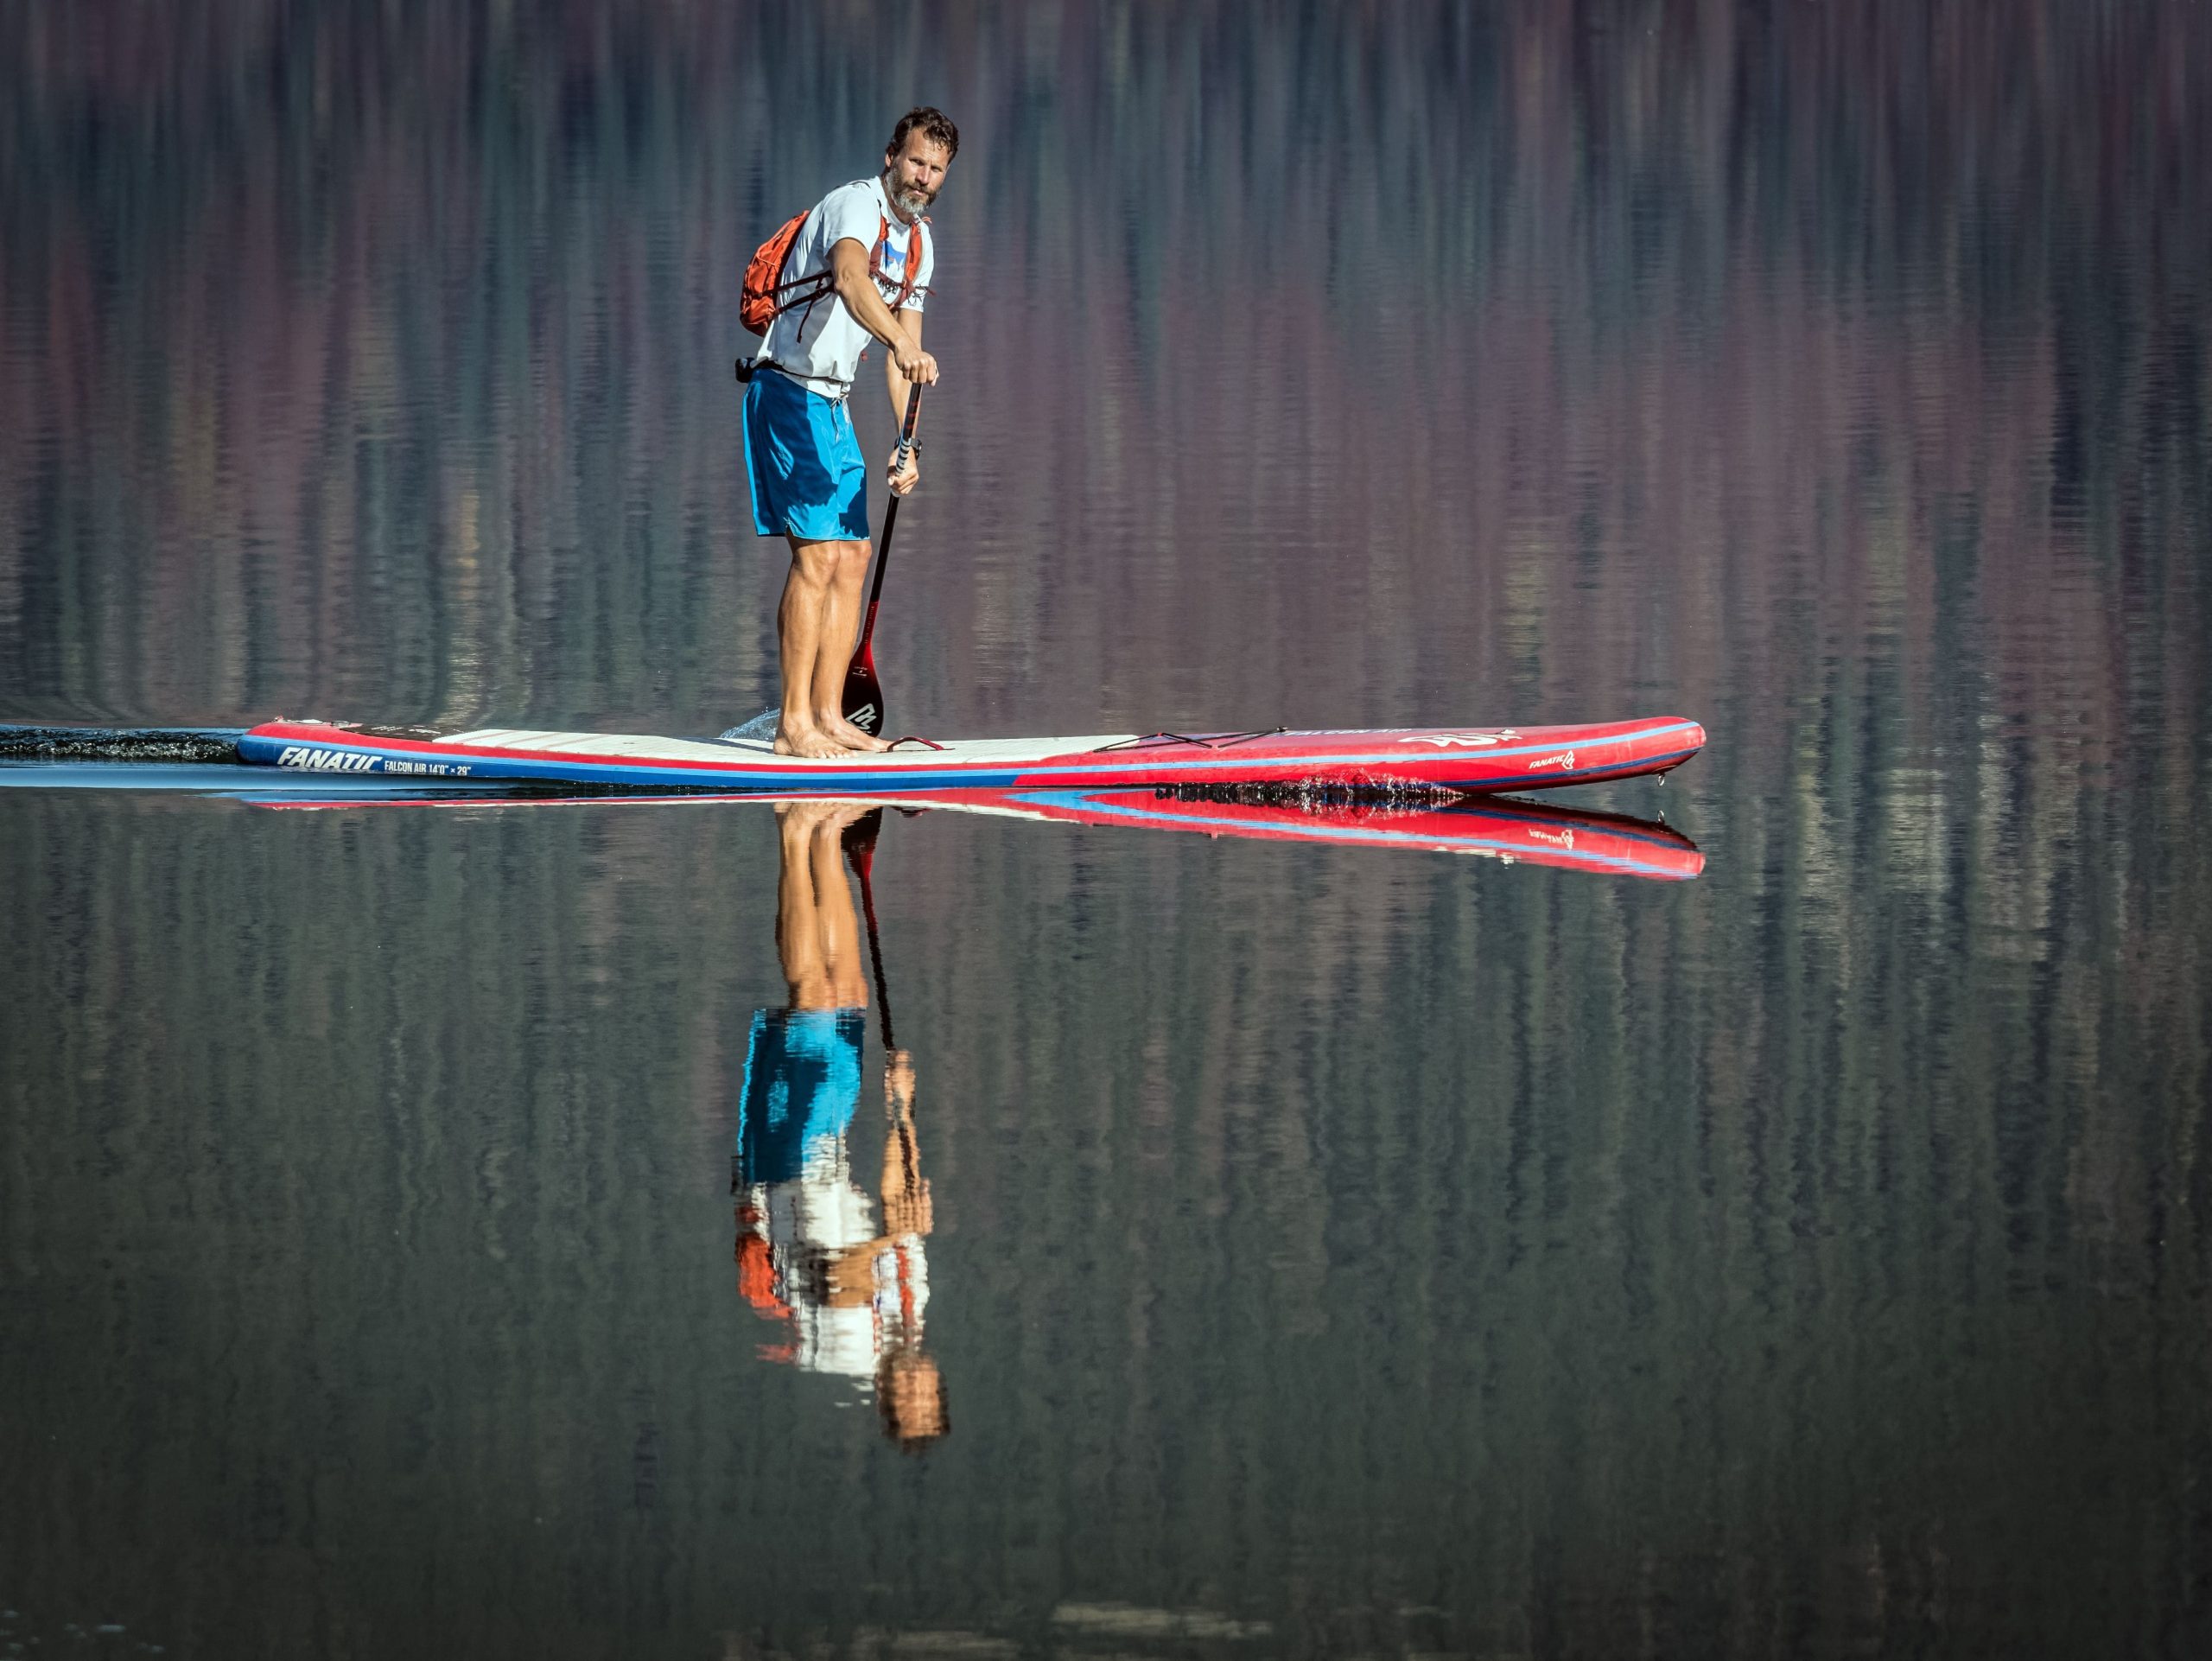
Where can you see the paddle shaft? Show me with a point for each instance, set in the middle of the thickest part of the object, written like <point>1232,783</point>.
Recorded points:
<point>890,518</point>
<point>860,851</point>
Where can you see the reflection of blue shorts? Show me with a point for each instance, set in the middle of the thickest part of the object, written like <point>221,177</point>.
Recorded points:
<point>801,1082</point>
<point>809,480</point>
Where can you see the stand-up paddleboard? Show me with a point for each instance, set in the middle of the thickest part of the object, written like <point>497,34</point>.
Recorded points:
<point>1448,758</point>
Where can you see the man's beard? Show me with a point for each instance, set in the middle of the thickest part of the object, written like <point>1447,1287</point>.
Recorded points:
<point>912,201</point>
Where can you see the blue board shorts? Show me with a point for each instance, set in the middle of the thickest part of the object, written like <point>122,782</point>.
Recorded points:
<point>809,480</point>
<point>801,1082</point>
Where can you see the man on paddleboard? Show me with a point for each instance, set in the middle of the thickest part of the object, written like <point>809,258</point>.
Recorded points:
<point>856,270</point>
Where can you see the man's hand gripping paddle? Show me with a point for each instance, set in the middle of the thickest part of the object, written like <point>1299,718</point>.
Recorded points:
<point>863,700</point>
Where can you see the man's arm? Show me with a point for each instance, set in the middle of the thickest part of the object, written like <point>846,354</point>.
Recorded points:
<point>900,483</point>
<point>848,264</point>
<point>910,321</point>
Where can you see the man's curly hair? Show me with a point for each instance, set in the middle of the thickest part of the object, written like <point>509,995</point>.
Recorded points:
<point>933,124</point>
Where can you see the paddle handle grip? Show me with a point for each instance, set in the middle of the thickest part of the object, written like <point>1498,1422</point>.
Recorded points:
<point>907,427</point>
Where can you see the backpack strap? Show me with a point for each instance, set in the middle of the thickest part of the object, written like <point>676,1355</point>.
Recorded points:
<point>916,245</point>
<point>914,262</point>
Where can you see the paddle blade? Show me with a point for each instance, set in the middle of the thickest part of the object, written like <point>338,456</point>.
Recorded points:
<point>863,700</point>
<point>858,839</point>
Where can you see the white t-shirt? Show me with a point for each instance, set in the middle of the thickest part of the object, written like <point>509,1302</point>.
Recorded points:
<point>818,343</point>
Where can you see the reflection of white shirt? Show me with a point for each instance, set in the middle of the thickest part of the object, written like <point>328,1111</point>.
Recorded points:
<point>806,1220</point>
<point>819,342</point>
<point>834,1340</point>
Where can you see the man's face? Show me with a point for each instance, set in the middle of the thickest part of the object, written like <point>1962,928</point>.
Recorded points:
<point>915,174</point>
<point>914,1405</point>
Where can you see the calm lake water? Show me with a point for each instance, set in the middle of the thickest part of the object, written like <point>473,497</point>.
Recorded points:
<point>1252,1248</point>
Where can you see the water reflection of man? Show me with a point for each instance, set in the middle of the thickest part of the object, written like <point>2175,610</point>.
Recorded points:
<point>808,1254</point>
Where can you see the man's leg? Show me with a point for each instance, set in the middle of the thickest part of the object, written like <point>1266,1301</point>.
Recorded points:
<point>815,629</point>
<point>817,937</point>
<point>802,643</point>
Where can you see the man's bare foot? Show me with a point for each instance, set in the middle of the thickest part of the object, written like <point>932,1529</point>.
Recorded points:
<point>841,814</point>
<point>807,741</point>
<point>818,816</point>
<point>844,732</point>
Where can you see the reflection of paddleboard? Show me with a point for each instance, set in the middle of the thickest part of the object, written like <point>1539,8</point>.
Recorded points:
<point>1494,827</point>
<point>1451,758</point>
<point>1514,832</point>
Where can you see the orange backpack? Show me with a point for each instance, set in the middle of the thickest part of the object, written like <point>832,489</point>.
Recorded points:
<point>767,295</point>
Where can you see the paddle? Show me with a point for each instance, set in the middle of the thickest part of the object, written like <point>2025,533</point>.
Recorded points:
<point>863,700</point>
<point>859,838</point>
<point>859,849</point>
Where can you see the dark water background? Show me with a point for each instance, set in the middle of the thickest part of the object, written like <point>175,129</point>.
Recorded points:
<point>1334,1252</point>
